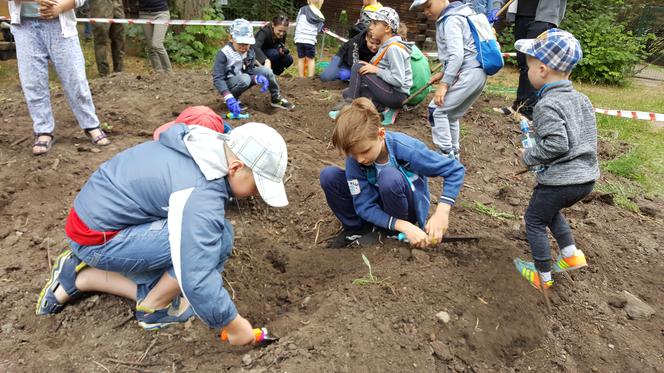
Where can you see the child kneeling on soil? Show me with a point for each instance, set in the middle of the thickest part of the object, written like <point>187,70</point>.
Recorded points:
<point>385,182</point>
<point>461,81</point>
<point>566,150</point>
<point>149,225</point>
<point>235,70</point>
<point>387,79</point>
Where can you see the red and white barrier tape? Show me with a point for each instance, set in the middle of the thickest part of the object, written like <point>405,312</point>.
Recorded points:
<point>181,22</point>
<point>654,117</point>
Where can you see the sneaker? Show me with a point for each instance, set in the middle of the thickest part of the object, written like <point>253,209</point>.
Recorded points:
<point>243,106</point>
<point>282,103</point>
<point>389,116</point>
<point>179,311</point>
<point>528,271</point>
<point>333,114</point>
<point>63,274</point>
<point>351,237</point>
<point>576,261</point>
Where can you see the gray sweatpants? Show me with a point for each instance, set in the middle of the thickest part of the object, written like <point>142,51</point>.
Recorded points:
<point>460,96</point>
<point>154,40</point>
<point>38,42</point>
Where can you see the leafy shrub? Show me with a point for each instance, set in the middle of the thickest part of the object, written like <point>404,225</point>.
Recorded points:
<point>610,52</point>
<point>196,43</point>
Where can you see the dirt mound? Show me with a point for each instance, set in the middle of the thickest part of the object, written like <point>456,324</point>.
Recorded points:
<point>282,278</point>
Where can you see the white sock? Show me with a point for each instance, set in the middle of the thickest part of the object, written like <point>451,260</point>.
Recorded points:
<point>545,276</point>
<point>568,251</point>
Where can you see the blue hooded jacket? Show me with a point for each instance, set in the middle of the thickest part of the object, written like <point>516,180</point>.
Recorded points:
<point>158,180</point>
<point>417,162</point>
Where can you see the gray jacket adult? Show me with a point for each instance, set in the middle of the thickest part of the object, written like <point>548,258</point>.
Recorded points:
<point>551,11</point>
<point>566,136</point>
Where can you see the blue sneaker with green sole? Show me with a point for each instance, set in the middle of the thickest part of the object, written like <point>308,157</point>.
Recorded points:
<point>179,311</point>
<point>64,272</point>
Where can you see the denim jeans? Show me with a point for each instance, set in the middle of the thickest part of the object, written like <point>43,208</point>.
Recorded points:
<point>544,211</point>
<point>240,83</point>
<point>141,253</point>
<point>335,71</point>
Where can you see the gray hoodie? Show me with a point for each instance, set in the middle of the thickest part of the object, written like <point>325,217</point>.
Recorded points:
<point>394,66</point>
<point>566,135</point>
<point>456,47</point>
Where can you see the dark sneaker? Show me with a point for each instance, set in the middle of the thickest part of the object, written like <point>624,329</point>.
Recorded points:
<point>63,274</point>
<point>282,103</point>
<point>178,311</point>
<point>350,237</point>
<point>243,106</point>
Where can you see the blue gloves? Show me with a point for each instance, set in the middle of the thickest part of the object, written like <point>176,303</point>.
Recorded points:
<point>493,18</point>
<point>233,105</point>
<point>261,81</point>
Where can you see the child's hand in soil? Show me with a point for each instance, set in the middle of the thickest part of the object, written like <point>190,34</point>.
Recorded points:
<point>439,97</point>
<point>438,223</point>
<point>368,68</point>
<point>239,332</point>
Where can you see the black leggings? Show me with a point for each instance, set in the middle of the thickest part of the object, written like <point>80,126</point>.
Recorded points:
<point>371,86</point>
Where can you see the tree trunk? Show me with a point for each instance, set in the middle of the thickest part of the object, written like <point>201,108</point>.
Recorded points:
<point>190,9</point>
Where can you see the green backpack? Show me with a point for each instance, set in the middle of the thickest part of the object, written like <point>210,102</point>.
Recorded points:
<point>419,64</point>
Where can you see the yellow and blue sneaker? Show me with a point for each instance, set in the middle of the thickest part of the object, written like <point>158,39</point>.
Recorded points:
<point>576,261</point>
<point>178,311</point>
<point>528,271</point>
<point>63,273</point>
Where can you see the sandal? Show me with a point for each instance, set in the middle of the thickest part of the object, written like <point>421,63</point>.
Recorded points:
<point>44,146</point>
<point>97,140</point>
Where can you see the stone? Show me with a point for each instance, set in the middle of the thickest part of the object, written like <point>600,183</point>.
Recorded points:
<point>442,351</point>
<point>443,316</point>
<point>247,359</point>
<point>636,308</point>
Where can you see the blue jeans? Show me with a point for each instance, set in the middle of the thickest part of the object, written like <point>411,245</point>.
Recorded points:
<point>142,253</point>
<point>335,71</point>
<point>240,83</point>
<point>396,197</point>
<point>280,62</point>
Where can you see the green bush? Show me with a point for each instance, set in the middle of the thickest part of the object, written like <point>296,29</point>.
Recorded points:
<point>196,43</point>
<point>610,52</point>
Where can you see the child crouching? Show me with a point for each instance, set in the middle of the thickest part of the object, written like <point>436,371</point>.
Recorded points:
<point>385,182</point>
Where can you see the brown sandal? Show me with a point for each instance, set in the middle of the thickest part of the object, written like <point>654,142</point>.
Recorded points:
<point>44,146</point>
<point>97,139</point>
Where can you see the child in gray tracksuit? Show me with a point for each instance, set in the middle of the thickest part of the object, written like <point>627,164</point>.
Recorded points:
<point>462,79</point>
<point>566,149</point>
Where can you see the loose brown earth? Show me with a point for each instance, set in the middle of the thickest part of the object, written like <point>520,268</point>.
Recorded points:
<point>281,278</point>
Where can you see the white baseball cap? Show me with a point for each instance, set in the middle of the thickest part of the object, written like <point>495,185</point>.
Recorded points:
<point>262,149</point>
<point>242,32</point>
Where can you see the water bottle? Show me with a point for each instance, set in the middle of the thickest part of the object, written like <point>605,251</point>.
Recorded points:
<point>528,141</point>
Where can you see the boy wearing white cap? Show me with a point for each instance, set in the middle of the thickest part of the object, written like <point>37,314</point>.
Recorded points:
<point>149,225</point>
<point>566,147</point>
<point>235,70</point>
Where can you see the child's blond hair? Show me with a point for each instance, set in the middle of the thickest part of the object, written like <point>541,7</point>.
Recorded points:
<point>355,123</point>
<point>317,3</point>
<point>403,31</point>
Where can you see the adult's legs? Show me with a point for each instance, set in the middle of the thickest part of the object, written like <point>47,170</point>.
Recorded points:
<point>524,89</point>
<point>148,30</point>
<point>100,31</point>
<point>279,62</point>
<point>117,35</point>
<point>339,199</point>
<point>159,55</point>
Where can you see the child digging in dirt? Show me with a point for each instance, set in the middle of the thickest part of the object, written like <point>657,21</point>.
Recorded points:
<point>566,136</point>
<point>462,78</point>
<point>149,225</point>
<point>385,182</point>
<point>235,71</point>
<point>308,24</point>
<point>387,79</point>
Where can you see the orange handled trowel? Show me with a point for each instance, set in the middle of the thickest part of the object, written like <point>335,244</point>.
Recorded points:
<point>262,337</point>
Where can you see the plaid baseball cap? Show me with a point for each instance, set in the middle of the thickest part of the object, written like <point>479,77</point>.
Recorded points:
<point>556,48</point>
<point>263,150</point>
<point>387,15</point>
<point>242,32</point>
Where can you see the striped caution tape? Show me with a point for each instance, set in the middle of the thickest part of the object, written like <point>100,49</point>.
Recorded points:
<point>181,22</point>
<point>643,115</point>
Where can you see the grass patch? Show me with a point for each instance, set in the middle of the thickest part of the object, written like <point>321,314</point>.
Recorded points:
<point>622,194</point>
<point>490,211</point>
<point>369,278</point>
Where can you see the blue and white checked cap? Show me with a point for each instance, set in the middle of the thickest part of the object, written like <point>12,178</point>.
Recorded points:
<point>387,15</point>
<point>242,32</point>
<point>263,150</point>
<point>556,48</point>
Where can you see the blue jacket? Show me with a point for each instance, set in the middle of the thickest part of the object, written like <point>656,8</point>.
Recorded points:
<point>417,162</point>
<point>157,180</point>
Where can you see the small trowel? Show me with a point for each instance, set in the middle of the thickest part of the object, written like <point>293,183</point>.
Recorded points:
<point>262,337</point>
